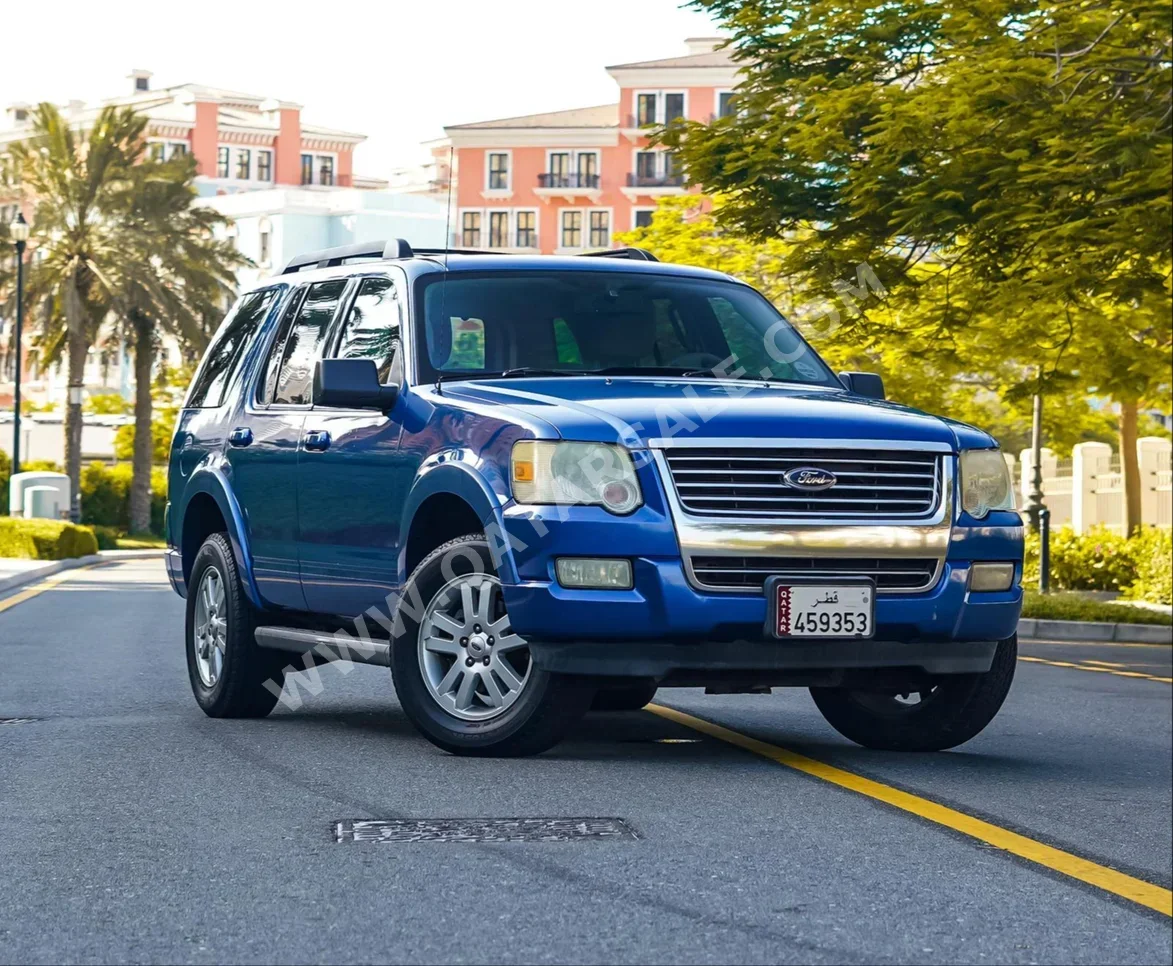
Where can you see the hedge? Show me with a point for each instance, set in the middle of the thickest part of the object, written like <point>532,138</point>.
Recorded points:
<point>45,539</point>
<point>1138,567</point>
<point>105,496</point>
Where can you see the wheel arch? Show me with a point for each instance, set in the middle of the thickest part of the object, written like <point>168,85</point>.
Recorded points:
<point>209,507</point>
<point>448,500</point>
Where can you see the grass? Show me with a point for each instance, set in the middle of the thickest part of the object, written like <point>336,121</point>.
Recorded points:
<point>1067,606</point>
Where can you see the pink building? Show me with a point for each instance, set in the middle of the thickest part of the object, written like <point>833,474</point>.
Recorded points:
<point>566,181</point>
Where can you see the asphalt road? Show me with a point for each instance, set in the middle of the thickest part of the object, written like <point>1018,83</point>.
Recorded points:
<point>135,829</point>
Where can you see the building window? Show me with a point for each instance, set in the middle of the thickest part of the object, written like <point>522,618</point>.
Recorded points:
<point>725,105</point>
<point>673,107</point>
<point>645,166</point>
<point>600,229</point>
<point>264,165</point>
<point>572,229</point>
<point>559,169</point>
<point>265,246</point>
<point>177,149</point>
<point>588,169</point>
<point>498,172</point>
<point>244,163</point>
<point>470,229</point>
<point>307,169</point>
<point>222,163</point>
<point>643,218</point>
<point>325,169</point>
<point>498,229</point>
<point>645,109</point>
<point>527,229</point>
<point>156,150</point>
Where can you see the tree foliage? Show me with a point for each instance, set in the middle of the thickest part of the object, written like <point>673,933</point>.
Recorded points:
<point>1003,166</point>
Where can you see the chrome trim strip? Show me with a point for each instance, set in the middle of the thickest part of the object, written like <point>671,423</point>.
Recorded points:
<point>731,536</point>
<point>791,442</point>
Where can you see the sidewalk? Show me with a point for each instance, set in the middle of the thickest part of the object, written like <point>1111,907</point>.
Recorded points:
<point>16,573</point>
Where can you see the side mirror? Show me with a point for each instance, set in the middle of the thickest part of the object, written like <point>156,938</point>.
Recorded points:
<point>863,384</point>
<point>352,384</point>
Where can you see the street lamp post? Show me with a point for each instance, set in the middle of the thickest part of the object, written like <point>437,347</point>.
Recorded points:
<point>19,230</point>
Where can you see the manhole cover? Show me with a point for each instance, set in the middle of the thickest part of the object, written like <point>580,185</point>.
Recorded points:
<point>484,830</point>
<point>7,721</point>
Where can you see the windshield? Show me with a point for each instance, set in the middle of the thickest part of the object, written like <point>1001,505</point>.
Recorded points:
<point>548,323</point>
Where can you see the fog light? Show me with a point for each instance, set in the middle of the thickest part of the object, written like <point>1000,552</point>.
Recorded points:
<point>991,576</point>
<point>594,572</point>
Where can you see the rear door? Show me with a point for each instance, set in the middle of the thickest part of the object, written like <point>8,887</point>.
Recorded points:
<point>265,441</point>
<point>349,506</point>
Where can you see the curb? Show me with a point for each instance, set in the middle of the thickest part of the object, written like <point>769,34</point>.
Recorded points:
<point>56,566</point>
<point>1038,629</point>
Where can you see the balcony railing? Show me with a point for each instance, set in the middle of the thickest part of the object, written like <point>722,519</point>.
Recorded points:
<point>637,180</point>
<point>634,121</point>
<point>588,182</point>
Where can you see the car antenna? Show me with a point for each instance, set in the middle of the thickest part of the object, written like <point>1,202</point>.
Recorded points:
<point>444,280</point>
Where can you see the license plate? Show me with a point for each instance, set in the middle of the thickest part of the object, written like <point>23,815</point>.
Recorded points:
<point>821,610</point>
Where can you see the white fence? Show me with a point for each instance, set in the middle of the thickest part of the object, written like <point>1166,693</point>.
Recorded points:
<point>1088,489</point>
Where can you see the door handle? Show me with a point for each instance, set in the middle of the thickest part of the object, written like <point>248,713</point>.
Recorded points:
<point>241,436</point>
<point>317,440</point>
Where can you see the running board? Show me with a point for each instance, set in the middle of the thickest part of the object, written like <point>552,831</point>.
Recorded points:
<point>325,647</point>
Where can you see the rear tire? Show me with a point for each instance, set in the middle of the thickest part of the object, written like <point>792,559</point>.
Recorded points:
<point>956,709</point>
<point>627,697</point>
<point>463,677</point>
<point>226,668</point>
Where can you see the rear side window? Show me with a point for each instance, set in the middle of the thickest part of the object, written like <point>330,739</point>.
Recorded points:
<point>371,330</point>
<point>296,350</point>
<point>227,348</point>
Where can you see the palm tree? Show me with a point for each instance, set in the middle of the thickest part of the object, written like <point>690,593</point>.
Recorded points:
<point>175,279</point>
<point>77,188</point>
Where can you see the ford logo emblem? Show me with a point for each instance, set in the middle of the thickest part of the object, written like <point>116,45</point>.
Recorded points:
<point>809,478</point>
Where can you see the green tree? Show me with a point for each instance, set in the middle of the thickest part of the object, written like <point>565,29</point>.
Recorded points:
<point>1004,167</point>
<point>76,185</point>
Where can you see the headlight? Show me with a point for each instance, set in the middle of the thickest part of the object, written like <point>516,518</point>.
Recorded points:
<point>985,482</point>
<point>596,474</point>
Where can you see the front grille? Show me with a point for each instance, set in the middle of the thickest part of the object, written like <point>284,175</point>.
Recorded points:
<point>891,575</point>
<point>749,482</point>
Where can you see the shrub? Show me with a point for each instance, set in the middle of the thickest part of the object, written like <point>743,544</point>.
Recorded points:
<point>45,539</point>
<point>107,537</point>
<point>5,474</point>
<point>105,496</point>
<point>1152,552</point>
<point>1097,560</point>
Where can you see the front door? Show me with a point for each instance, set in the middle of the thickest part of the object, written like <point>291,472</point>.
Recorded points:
<point>349,508</point>
<point>265,439</point>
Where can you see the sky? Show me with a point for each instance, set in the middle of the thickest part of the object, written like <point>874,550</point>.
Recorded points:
<point>395,70</point>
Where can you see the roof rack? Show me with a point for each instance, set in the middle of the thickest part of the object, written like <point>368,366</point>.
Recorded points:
<point>636,254</point>
<point>333,257</point>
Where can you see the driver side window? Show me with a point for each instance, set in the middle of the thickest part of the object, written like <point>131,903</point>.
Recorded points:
<point>372,326</point>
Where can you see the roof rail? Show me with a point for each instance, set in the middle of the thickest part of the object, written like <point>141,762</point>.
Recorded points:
<point>636,254</point>
<point>333,257</point>
<point>454,251</point>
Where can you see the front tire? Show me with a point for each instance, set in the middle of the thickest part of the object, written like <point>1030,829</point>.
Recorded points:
<point>954,709</point>
<point>226,668</point>
<point>465,680</point>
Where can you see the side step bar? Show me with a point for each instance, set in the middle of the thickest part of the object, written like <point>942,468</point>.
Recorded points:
<point>325,647</point>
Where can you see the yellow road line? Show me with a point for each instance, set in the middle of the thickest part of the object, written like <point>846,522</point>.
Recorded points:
<point>1090,667</point>
<point>1034,642</point>
<point>1110,880</point>
<point>36,589</point>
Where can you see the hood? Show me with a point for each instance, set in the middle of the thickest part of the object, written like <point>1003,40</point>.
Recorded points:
<point>634,410</point>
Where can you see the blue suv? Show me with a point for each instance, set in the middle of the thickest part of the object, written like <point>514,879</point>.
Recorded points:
<point>533,485</point>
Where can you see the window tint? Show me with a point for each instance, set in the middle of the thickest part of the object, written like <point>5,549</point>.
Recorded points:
<point>302,339</point>
<point>371,330</point>
<point>220,361</point>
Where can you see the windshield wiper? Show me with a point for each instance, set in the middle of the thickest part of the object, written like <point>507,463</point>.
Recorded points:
<point>518,371</point>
